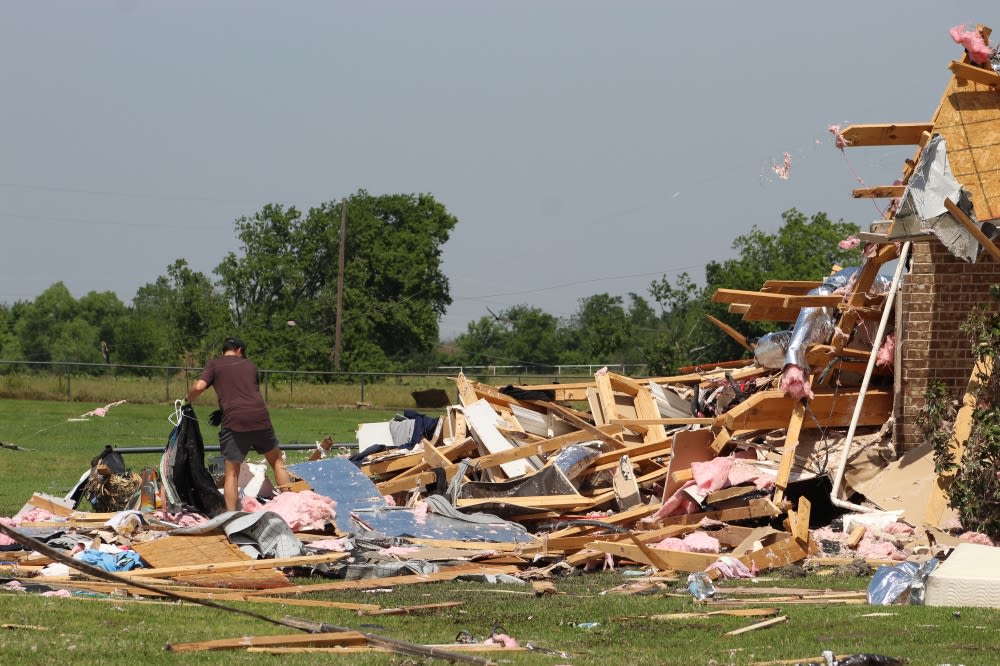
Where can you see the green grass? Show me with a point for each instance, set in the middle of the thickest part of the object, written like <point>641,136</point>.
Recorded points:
<point>94,631</point>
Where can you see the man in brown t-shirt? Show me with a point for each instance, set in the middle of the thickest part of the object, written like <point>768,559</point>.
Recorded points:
<point>246,423</point>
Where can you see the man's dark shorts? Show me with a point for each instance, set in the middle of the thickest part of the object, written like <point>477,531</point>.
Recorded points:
<point>236,445</point>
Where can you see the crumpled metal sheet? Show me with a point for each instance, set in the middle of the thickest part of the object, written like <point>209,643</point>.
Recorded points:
<point>922,209</point>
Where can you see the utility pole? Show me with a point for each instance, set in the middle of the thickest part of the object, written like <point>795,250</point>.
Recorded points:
<point>340,285</point>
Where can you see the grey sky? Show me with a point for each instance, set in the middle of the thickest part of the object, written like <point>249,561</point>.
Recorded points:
<point>584,147</point>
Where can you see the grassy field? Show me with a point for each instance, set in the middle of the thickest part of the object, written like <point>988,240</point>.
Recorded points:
<point>92,630</point>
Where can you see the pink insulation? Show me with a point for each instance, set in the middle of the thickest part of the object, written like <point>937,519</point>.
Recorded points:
<point>305,510</point>
<point>4,539</point>
<point>977,49</point>
<point>713,474</point>
<point>695,542</point>
<point>886,354</point>
<point>783,169</point>
<point>795,384</point>
<point>700,542</point>
<point>849,243</point>
<point>501,639</point>
<point>976,537</point>
<point>838,139</point>
<point>742,473</point>
<point>335,545</point>
<point>731,567</point>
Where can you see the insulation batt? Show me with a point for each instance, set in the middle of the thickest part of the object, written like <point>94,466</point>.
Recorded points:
<point>709,476</point>
<point>695,542</point>
<point>886,355</point>
<point>976,537</point>
<point>305,510</point>
<point>501,639</point>
<point>793,382</point>
<point>979,52</point>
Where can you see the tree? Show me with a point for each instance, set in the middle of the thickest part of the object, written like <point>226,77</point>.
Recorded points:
<point>518,335</point>
<point>394,289</point>
<point>41,324</point>
<point>181,318</point>
<point>105,312</point>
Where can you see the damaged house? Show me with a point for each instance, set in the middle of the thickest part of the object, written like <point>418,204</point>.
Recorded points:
<point>713,470</point>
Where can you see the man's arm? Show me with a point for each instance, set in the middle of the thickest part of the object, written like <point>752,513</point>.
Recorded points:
<point>197,389</point>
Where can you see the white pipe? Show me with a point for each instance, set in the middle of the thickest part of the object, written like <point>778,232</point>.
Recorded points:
<point>839,478</point>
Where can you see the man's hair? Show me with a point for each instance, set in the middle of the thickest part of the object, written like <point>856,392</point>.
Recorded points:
<point>234,344</point>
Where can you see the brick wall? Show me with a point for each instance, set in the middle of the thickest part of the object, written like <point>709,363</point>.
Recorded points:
<point>935,298</point>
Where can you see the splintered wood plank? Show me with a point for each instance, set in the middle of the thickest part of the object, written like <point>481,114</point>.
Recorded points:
<point>758,625</point>
<point>573,418</point>
<point>237,565</point>
<point>405,483</point>
<point>664,559</point>
<point>328,639</point>
<point>788,451</point>
<point>775,300</point>
<point>466,395</point>
<point>738,337</point>
<point>879,192</point>
<point>897,134</point>
<point>449,573</point>
<point>800,287</point>
<point>562,502</point>
<point>550,445</point>
<point>969,72</point>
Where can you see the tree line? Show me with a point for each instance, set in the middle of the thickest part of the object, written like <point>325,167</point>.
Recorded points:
<point>280,292</point>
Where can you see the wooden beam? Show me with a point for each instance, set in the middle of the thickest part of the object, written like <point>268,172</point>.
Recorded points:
<point>897,134</point>
<point>773,300</point>
<point>738,337</point>
<point>788,451</point>
<point>352,638</point>
<point>969,72</point>
<point>879,192</point>
<point>237,565</point>
<point>667,421</point>
<point>770,409</point>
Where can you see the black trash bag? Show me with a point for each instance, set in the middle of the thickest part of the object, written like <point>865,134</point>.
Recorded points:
<point>111,458</point>
<point>188,485</point>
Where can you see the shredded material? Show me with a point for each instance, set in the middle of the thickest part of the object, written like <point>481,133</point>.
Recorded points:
<point>501,639</point>
<point>849,243</point>
<point>977,49</point>
<point>838,139</point>
<point>305,510</point>
<point>731,567</point>
<point>886,355</point>
<point>976,537</point>
<point>102,411</point>
<point>793,382</point>
<point>783,169</point>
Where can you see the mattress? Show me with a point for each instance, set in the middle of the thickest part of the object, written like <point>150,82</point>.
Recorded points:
<point>969,577</point>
